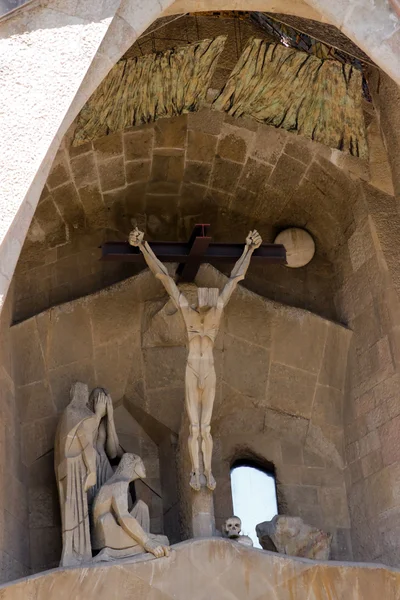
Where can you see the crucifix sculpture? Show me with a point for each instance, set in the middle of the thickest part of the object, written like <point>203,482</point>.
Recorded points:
<point>202,322</point>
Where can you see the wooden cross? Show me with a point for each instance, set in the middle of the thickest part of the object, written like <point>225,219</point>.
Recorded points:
<point>190,255</point>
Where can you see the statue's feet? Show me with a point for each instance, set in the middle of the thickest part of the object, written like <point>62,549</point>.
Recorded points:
<point>211,483</point>
<point>195,481</point>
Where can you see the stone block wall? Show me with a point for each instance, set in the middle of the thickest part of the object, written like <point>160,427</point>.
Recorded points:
<point>14,540</point>
<point>368,300</point>
<point>279,397</point>
<point>202,167</point>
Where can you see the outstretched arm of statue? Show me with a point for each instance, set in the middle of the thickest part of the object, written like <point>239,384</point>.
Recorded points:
<point>136,238</point>
<point>131,526</point>
<point>239,271</point>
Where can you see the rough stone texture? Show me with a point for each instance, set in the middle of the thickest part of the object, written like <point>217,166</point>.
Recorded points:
<point>364,269</point>
<point>368,301</point>
<point>138,350</point>
<point>213,568</point>
<point>80,57</point>
<point>195,168</point>
<point>14,510</point>
<point>291,536</point>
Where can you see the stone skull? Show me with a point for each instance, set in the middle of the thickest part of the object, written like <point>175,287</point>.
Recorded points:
<point>232,527</point>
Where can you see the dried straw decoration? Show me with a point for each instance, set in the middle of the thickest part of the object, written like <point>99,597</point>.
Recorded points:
<point>279,86</point>
<point>141,90</point>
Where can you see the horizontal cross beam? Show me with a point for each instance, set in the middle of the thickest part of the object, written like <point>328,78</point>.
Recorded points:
<point>190,255</point>
<point>180,252</point>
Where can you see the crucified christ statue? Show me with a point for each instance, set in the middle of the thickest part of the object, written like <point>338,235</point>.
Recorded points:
<point>202,322</point>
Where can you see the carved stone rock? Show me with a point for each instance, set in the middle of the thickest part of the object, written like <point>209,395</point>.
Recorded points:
<point>291,536</point>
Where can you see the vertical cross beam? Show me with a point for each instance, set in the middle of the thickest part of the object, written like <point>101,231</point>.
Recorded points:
<point>198,244</point>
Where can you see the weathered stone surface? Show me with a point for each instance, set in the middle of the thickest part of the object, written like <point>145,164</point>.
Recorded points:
<point>112,174</point>
<point>291,536</point>
<point>70,338</point>
<point>170,133</point>
<point>29,364</point>
<point>166,173</point>
<point>137,170</point>
<point>251,378</point>
<point>35,401</point>
<point>225,175</point>
<point>333,369</point>
<point>201,146</point>
<point>84,169</point>
<point>59,173</point>
<point>291,390</point>
<point>232,147</point>
<point>67,201</point>
<point>50,222</point>
<point>108,146</point>
<point>297,343</point>
<point>243,321</point>
<point>223,575</point>
<point>139,143</point>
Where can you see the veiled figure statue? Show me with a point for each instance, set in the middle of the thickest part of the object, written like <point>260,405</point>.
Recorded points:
<point>118,532</point>
<point>85,440</point>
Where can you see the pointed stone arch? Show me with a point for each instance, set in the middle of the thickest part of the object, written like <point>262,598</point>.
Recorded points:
<point>67,50</point>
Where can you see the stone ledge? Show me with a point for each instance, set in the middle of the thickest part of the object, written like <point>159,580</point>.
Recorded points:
<point>212,568</point>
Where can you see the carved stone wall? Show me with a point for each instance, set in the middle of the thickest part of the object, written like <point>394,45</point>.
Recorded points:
<point>281,374</point>
<point>201,167</point>
<point>14,542</point>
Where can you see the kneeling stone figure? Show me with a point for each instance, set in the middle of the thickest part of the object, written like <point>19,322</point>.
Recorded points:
<point>119,533</point>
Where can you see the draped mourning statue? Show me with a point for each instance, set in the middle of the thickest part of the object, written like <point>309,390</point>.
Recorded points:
<point>95,500</point>
<point>75,467</point>
<point>85,442</point>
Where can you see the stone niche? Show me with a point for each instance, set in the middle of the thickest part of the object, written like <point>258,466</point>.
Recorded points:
<point>280,370</point>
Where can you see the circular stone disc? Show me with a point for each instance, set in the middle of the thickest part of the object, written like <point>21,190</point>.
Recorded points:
<point>299,245</point>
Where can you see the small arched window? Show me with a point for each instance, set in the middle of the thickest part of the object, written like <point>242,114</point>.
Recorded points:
<point>253,495</point>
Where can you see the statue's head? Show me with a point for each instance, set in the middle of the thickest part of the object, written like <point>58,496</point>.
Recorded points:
<point>200,298</point>
<point>98,396</point>
<point>232,527</point>
<point>79,393</point>
<point>131,467</point>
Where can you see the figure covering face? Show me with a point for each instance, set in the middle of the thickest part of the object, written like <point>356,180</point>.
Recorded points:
<point>106,441</point>
<point>81,465</point>
<point>202,324</point>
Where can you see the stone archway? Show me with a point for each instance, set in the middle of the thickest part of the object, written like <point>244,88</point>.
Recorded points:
<point>67,51</point>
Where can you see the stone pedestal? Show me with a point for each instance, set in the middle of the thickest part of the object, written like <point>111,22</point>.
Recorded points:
<point>196,508</point>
